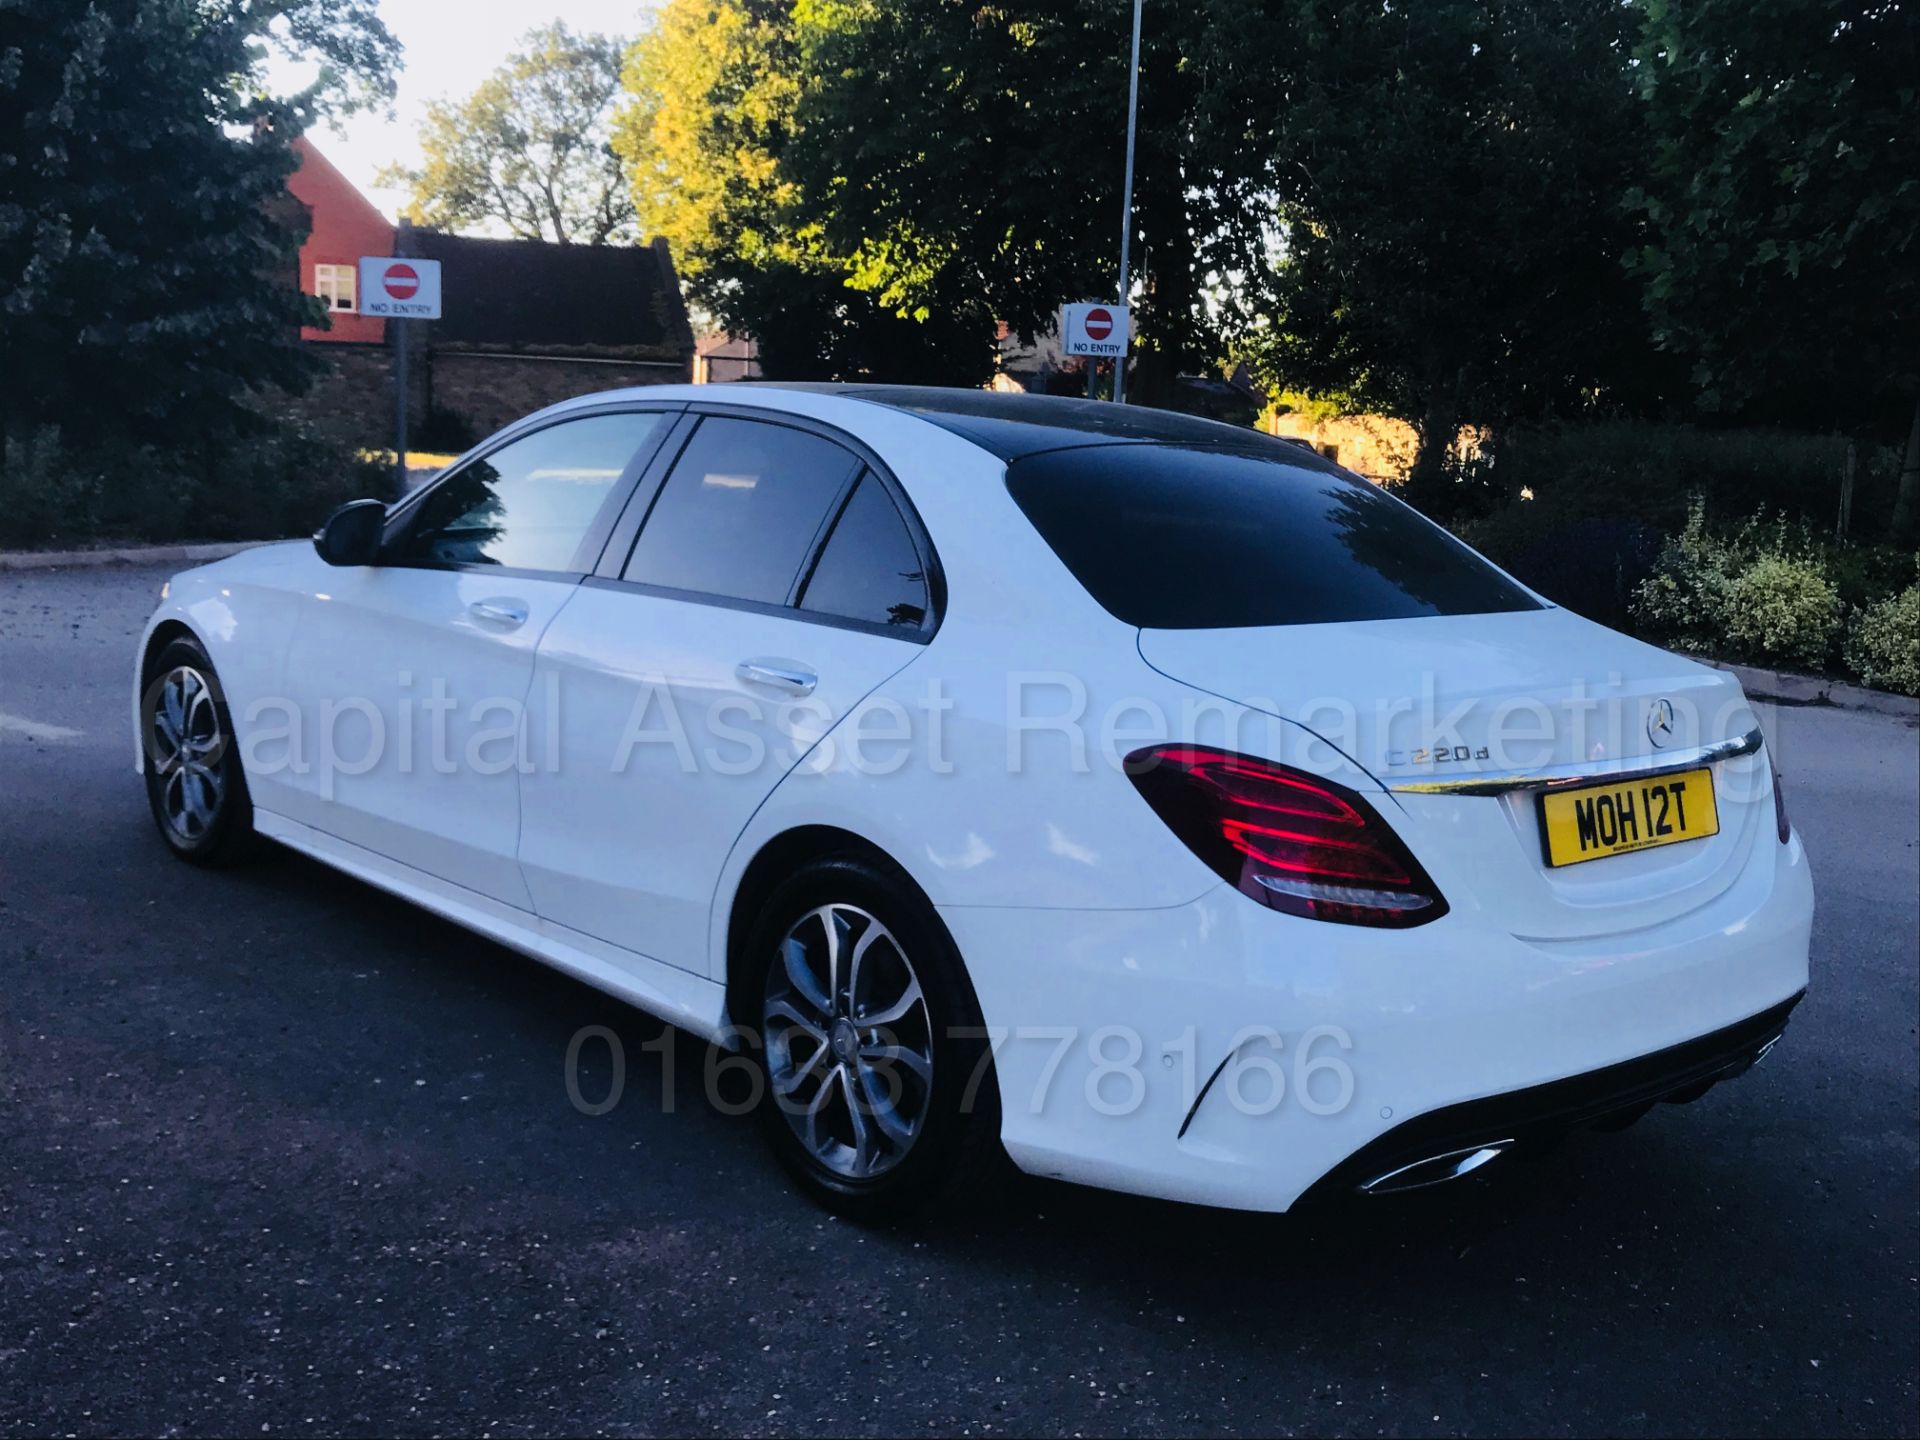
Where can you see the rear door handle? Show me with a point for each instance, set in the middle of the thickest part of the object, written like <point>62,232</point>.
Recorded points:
<point>780,674</point>
<point>510,614</point>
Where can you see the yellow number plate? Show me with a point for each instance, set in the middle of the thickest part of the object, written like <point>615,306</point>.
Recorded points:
<point>1600,820</point>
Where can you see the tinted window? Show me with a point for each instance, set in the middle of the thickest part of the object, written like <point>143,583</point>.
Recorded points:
<point>741,510</point>
<point>1185,538</point>
<point>529,504</point>
<point>869,570</point>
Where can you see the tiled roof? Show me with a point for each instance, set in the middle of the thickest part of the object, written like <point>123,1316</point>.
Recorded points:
<point>530,294</point>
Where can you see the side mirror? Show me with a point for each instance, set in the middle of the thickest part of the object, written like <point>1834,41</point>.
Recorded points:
<point>352,533</point>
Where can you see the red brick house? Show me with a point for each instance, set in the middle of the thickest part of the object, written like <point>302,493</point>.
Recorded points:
<point>720,357</point>
<point>345,227</point>
<point>526,323</point>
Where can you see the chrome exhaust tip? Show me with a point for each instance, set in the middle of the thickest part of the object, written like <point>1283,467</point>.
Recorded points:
<point>1435,1169</point>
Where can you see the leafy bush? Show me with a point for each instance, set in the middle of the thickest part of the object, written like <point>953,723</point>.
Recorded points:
<point>1868,574</point>
<point>1762,594</point>
<point>275,480</point>
<point>1592,566</point>
<point>1783,608</point>
<point>1884,646</point>
<point>1649,471</point>
<point>44,497</point>
<point>1684,601</point>
<point>1582,509</point>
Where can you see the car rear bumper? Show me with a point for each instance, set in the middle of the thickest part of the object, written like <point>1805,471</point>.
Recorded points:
<point>1223,1054</point>
<point>1435,1146</point>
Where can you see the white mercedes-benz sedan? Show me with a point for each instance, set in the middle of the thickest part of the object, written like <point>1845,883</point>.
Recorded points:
<point>1149,799</point>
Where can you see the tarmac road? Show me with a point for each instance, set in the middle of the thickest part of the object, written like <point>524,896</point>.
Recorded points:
<point>280,1154</point>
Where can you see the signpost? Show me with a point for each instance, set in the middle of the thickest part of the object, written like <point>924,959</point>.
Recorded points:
<point>1103,330</point>
<point>397,289</point>
<point>1126,198</point>
<point>1098,332</point>
<point>1094,329</point>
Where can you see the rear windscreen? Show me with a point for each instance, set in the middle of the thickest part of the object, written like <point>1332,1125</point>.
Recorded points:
<point>1200,538</point>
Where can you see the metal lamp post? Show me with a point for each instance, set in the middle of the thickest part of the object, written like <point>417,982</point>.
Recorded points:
<point>1126,204</point>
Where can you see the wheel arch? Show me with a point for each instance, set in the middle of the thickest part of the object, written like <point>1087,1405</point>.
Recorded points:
<point>968,1152</point>
<point>163,635</point>
<point>778,857</point>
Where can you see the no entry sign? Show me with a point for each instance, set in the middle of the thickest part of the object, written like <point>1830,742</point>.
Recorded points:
<point>1094,329</point>
<point>402,282</point>
<point>399,288</point>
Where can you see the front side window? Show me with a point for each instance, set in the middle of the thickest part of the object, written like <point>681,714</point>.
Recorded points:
<point>1199,537</point>
<point>870,569</point>
<point>531,504</point>
<point>740,512</point>
<point>334,285</point>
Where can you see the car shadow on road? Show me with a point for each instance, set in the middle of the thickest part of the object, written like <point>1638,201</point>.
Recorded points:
<point>1599,1214</point>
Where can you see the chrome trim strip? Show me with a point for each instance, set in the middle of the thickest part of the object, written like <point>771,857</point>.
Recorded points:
<point>1635,769</point>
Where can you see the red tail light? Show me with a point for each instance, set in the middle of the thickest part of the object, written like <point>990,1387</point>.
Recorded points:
<point>1292,841</point>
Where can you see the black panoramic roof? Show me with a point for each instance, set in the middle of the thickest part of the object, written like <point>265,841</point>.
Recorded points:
<point>1012,426</point>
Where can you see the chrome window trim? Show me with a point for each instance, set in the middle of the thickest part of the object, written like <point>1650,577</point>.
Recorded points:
<point>1585,773</point>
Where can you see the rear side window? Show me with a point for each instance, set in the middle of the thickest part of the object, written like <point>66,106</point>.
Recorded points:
<point>531,504</point>
<point>741,510</point>
<point>1198,538</point>
<point>870,569</point>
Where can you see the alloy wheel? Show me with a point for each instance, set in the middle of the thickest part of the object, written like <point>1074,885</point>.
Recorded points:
<point>849,1041</point>
<point>187,748</point>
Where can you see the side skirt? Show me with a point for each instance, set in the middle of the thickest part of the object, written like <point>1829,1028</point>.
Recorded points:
<point>691,1002</point>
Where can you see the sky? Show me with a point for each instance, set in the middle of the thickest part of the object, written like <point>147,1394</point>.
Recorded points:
<point>451,46</point>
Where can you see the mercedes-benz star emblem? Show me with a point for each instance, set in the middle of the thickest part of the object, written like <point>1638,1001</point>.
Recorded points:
<point>1660,723</point>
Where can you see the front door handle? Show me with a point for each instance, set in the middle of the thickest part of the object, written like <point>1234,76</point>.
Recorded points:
<point>780,674</point>
<point>509,614</point>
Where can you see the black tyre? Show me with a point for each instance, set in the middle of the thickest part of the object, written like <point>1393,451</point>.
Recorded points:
<point>195,785</point>
<point>878,1095</point>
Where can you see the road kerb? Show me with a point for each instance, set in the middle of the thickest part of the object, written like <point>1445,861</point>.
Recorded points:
<point>1788,688</point>
<point>13,560</point>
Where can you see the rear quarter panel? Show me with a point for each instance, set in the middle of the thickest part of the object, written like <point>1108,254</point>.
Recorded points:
<point>988,767</point>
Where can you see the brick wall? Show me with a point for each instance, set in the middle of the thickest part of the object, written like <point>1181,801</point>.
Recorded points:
<point>490,390</point>
<point>352,399</point>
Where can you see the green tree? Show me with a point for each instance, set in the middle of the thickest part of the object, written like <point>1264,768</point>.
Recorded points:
<point>930,144</point>
<point>921,169</point>
<point>710,91</point>
<point>531,149</point>
<point>1783,208</point>
<point>966,154</point>
<point>147,248</point>
<point>713,91</point>
<point>1445,181</point>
